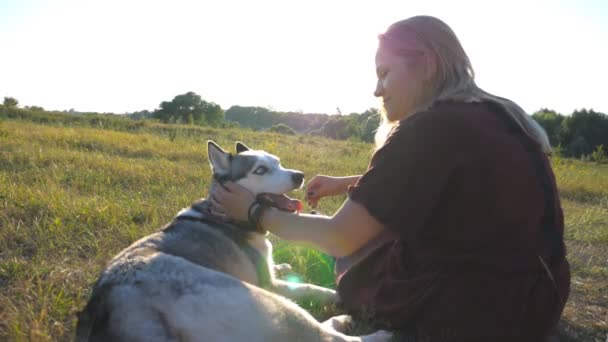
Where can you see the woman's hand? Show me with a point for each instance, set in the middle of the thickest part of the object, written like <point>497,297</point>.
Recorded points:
<point>322,186</point>
<point>231,200</point>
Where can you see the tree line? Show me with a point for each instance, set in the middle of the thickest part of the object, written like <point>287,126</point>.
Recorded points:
<point>580,134</point>
<point>190,108</point>
<point>577,135</point>
<point>352,126</point>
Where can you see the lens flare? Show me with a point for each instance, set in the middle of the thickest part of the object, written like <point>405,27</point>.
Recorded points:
<point>293,279</point>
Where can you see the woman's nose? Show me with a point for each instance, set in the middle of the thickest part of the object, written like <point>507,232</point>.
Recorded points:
<point>379,89</point>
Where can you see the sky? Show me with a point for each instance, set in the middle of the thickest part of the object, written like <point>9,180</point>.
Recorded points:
<point>312,56</point>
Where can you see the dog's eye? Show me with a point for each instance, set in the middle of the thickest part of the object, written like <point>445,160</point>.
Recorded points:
<point>261,170</point>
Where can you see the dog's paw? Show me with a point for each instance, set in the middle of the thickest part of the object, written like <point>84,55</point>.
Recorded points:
<point>282,270</point>
<point>340,323</point>
<point>331,297</point>
<point>378,336</point>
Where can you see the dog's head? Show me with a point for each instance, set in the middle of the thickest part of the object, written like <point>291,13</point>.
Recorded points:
<point>258,171</point>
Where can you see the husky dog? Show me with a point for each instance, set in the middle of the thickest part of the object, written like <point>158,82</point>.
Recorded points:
<point>202,278</point>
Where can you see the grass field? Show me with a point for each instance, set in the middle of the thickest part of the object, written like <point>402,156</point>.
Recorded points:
<point>73,195</point>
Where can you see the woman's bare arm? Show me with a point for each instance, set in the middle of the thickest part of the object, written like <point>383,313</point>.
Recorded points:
<point>340,235</point>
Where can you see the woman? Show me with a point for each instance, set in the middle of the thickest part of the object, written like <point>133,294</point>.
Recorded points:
<point>455,231</point>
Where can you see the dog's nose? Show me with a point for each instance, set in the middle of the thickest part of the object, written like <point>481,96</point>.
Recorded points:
<point>297,177</point>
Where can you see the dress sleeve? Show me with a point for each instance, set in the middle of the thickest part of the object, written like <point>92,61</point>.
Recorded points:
<point>406,176</point>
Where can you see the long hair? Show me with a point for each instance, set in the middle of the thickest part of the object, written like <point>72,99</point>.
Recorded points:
<point>454,77</point>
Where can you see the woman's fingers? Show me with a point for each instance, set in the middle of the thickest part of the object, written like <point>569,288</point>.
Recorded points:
<point>311,189</point>
<point>313,202</point>
<point>231,186</point>
<point>218,194</point>
<point>217,212</point>
<point>309,195</point>
<point>313,184</point>
<point>215,204</point>
<point>231,200</point>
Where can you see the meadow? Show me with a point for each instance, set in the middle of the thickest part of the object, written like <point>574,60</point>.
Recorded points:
<point>75,192</point>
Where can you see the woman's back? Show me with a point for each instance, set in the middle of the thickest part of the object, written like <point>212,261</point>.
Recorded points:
<point>460,187</point>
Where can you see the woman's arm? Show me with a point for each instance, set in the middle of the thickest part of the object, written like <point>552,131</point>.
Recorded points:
<point>349,180</point>
<point>323,186</point>
<point>339,235</point>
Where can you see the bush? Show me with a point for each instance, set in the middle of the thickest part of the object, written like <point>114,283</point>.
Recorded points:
<point>283,129</point>
<point>599,155</point>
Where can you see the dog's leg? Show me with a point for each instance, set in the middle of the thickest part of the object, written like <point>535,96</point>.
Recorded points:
<point>299,292</point>
<point>281,270</point>
<point>343,325</point>
<point>287,322</point>
<point>340,323</point>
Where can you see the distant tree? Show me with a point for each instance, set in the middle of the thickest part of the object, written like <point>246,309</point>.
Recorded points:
<point>283,129</point>
<point>253,117</point>
<point>371,121</point>
<point>214,114</point>
<point>239,114</point>
<point>354,125</point>
<point>583,131</point>
<point>340,127</point>
<point>35,108</point>
<point>10,102</point>
<point>599,155</point>
<point>578,147</point>
<point>551,121</point>
<point>190,107</point>
<point>144,114</point>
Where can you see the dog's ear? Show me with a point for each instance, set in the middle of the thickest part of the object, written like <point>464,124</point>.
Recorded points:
<point>218,158</point>
<point>240,147</point>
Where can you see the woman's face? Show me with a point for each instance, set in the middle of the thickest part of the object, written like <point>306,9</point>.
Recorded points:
<point>401,82</point>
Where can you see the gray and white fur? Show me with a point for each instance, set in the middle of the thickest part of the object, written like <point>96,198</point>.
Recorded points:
<point>197,280</point>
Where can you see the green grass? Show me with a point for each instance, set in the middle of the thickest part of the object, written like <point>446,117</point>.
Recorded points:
<point>74,192</point>
<point>584,193</point>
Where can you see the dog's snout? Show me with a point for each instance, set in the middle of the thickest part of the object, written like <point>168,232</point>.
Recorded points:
<point>297,177</point>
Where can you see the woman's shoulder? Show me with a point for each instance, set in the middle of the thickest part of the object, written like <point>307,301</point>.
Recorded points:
<point>442,115</point>
<point>460,129</point>
<point>447,110</point>
<point>456,117</point>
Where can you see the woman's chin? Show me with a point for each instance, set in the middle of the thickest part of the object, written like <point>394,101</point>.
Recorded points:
<point>392,116</point>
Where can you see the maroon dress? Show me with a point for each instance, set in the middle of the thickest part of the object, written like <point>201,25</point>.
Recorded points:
<point>474,243</point>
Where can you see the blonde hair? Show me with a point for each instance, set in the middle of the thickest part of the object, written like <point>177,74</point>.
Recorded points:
<point>454,77</point>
